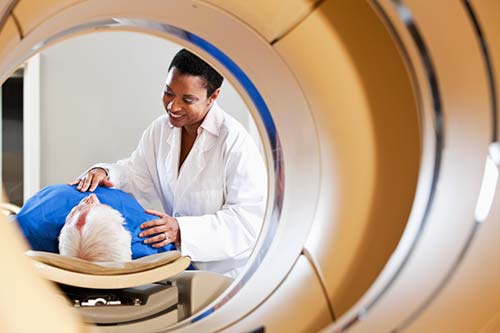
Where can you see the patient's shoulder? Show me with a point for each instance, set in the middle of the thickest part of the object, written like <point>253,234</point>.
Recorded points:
<point>59,188</point>
<point>58,191</point>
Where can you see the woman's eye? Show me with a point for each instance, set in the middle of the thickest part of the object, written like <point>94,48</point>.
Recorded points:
<point>168,93</point>
<point>188,101</point>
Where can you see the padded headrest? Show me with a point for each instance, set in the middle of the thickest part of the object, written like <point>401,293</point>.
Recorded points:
<point>104,268</point>
<point>108,275</point>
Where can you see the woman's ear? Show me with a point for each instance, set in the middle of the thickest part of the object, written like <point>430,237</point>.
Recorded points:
<point>214,95</point>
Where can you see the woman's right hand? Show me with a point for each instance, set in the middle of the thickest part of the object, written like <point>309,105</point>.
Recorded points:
<point>93,178</point>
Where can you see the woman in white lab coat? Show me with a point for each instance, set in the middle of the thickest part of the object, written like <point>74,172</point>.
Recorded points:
<point>202,165</point>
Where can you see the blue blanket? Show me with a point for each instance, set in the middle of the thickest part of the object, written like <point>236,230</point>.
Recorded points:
<point>43,215</point>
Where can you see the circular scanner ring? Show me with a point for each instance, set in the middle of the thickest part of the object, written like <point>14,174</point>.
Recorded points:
<point>295,163</point>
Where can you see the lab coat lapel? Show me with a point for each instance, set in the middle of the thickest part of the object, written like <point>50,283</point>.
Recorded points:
<point>172,159</point>
<point>195,162</point>
<point>199,155</point>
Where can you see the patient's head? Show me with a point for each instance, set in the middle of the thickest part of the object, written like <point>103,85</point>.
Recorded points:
<point>95,232</point>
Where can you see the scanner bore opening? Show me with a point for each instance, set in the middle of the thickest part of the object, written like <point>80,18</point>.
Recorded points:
<point>259,113</point>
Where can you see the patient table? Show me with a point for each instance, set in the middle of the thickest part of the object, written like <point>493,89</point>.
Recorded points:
<point>149,293</point>
<point>153,291</point>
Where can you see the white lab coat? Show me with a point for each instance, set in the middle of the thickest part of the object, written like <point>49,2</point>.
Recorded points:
<point>219,195</point>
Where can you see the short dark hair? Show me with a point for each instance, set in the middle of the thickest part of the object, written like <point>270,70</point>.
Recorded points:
<point>188,63</point>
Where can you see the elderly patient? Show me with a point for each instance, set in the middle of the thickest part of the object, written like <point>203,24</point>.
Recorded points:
<point>103,226</point>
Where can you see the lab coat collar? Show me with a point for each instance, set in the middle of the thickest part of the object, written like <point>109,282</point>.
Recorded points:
<point>209,130</point>
<point>212,122</point>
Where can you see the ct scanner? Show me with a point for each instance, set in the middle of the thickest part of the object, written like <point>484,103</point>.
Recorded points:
<point>380,125</point>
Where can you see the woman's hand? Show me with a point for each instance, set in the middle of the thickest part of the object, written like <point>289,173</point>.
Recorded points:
<point>93,178</point>
<point>162,231</point>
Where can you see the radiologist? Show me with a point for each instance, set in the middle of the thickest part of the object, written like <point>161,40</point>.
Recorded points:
<point>204,168</point>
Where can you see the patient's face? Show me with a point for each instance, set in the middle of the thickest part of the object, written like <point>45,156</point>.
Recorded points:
<point>79,213</point>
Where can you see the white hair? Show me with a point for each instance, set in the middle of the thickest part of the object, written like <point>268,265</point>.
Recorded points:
<point>102,237</point>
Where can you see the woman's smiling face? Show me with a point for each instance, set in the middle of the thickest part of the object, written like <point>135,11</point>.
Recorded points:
<point>185,99</point>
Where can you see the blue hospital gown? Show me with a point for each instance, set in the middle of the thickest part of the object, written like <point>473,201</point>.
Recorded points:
<point>43,215</point>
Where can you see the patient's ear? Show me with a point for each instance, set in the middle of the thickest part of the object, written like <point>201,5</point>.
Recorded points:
<point>82,218</point>
<point>93,199</point>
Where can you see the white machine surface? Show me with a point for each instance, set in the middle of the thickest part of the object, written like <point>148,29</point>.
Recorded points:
<point>379,120</point>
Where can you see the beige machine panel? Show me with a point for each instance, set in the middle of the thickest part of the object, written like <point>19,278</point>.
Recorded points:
<point>487,12</point>
<point>200,288</point>
<point>367,120</point>
<point>4,5</point>
<point>475,283</point>
<point>473,286</point>
<point>21,288</point>
<point>9,37</point>
<point>31,13</point>
<point>299,305</point>
<point>270,18</point>
<point>461,92</point>
<point>154,324</point>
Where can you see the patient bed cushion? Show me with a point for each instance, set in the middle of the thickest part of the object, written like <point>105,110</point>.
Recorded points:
<point>104,268</point>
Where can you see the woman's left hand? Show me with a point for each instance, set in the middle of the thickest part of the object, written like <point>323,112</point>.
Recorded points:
<point>162,231</point>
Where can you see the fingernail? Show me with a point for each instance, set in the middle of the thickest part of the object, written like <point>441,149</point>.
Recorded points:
<point>141,234</point>
<point>146,241</point>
